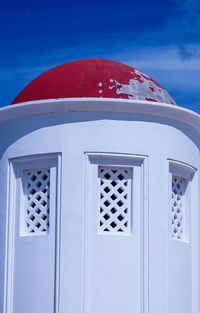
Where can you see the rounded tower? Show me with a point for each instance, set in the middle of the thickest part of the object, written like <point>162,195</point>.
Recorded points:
<point>99,195</point>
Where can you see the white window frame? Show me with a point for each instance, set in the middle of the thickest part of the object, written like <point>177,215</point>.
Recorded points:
<point>189,172</point>
<point>16,200</point>
<point>185,172</point>
<point>140,183</point>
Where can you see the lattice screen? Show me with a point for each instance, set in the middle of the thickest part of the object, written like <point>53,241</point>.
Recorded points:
<point>115,199</point>
<point>37,194</point>
<point>178,191</point>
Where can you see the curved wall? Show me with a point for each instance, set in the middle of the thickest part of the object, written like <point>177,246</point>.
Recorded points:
<point>145,268</point>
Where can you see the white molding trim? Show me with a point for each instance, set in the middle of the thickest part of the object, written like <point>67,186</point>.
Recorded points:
<point>101,105</point>
<point>182,167</point>
<point>54,161</point>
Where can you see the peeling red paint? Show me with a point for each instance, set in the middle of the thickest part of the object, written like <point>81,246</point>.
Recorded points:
<point>93,78</point>
<point>152,89</point>
<point>150,99</point>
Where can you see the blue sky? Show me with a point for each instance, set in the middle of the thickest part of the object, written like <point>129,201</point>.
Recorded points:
<point>161,38</point>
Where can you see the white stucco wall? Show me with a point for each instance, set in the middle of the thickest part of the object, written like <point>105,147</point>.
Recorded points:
<point>167,275</point>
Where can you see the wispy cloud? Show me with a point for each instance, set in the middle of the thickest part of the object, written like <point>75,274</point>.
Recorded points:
<point>179,76</point>
<point>186,53</point>
<point>163,58</point>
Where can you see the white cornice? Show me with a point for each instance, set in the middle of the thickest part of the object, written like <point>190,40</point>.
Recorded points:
<point>101,105</point>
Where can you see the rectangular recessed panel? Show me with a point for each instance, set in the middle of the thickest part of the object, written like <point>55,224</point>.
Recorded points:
<point>37,195</point>
<point>115,200</point>
<point>178,192</point>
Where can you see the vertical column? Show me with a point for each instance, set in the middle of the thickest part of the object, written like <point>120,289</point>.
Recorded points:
<point>180,245</point>
<point>32,246</point>
<point>114,232</point>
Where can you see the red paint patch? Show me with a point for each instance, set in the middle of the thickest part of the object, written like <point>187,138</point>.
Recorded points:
<point>150,99</point>
<point>152,89</point>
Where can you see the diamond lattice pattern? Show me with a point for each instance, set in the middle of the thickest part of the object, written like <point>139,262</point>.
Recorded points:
<point>37,184</point>
<point>115,199</point>
<point>178,190</point>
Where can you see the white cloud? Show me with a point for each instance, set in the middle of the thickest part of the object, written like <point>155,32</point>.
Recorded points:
<point>166,67</point>
<point>163,58</point>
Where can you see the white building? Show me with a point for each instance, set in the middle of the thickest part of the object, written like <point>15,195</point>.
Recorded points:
<point>99,195</point>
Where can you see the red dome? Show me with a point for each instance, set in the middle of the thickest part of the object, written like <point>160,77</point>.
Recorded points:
<point>93,78</point>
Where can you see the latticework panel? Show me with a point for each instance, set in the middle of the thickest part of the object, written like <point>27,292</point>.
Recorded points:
<point>178,190</point>
<point>37,194</point>
<point>115,200</point>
